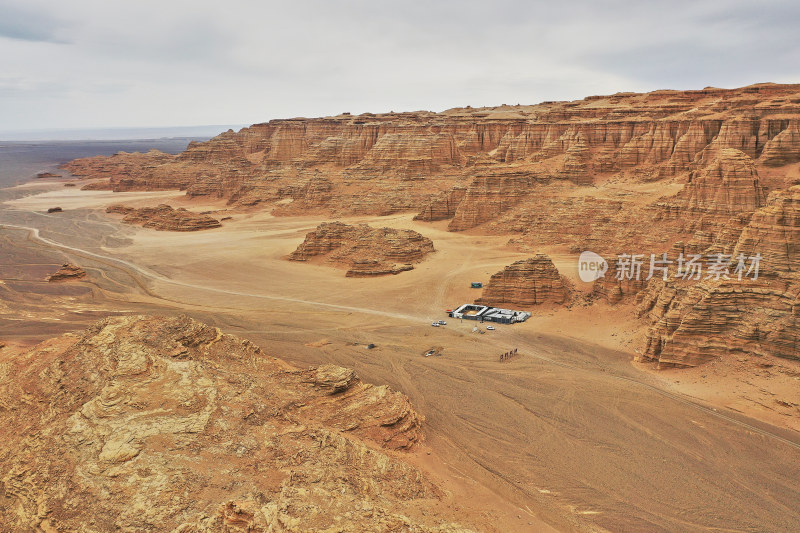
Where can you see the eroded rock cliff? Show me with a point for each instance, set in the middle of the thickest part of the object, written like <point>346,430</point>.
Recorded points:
<point>405,161</point>
<point>751,310</point>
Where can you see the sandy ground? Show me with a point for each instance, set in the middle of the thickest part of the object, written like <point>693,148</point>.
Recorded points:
<point>570,432</point>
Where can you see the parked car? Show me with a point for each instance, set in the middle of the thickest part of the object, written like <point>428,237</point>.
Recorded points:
<point>491,328</point>
<point>435,324</point>
<point>442,323</point>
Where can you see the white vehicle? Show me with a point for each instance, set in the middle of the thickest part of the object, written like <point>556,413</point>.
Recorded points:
<point>490,328</point>
<point>442,323</point>
<point>435,324</point>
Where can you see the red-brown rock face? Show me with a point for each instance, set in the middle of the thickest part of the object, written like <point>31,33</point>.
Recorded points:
<point>652,135</point>
<point>696,322</point>
<point>443,206</point>
<point>577,163</point>
<point>487,197</point>
<point>524,284</point>
<point>783,148</point>
<point>156,423</point>
<point>774,232</point>
<point>727,185</point>
<point>363,250</point>
<point>693,322</point>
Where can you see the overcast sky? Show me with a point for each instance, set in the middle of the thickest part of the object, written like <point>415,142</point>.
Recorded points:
<point>102,63</point>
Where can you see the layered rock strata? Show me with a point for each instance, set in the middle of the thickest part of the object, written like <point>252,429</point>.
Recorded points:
<point>694,321</point>
<point>525,283</point>
<point>164,218</point>
<point>155,423</point>
<point>67,272</point>
<point>401,161</point>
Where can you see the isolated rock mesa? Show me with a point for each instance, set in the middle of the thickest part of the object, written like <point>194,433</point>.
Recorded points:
<point>364,251</point>
<point>67,272</point>
<point>526,283</point>
<point>155,423</point>
<point>164,218</point>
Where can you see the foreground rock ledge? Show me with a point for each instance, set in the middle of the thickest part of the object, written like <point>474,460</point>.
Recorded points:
<point>151,423</point>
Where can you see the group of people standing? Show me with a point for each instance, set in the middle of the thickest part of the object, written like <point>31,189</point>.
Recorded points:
<point>508,355</point>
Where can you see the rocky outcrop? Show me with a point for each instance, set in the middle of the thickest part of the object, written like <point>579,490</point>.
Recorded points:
<point>577,161</point>
<point>783,148</point>
<point>364,251</point>
<point>728,185</point>
<point>612,290</point>
<point>487,197</point>
<point>694,323</point>
<point>526,283</point>
<point>47,175</point>
<point>67,272</point>
<point>126,171</point>
<point>156,423</point>
<point>164,218</point>
<point>443,206</point>
<point>368,268</point>
<point>774,233</point>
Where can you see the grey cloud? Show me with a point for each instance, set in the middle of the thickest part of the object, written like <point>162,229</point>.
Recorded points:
<point>26,25</point>
<point>179,62</point>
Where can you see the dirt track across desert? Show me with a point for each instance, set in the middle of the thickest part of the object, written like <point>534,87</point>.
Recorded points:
<point>568,431</point>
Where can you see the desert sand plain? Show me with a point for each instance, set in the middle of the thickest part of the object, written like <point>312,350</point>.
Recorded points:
<point>570,434</point>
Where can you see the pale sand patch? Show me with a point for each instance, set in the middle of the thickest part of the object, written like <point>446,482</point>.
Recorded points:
<point>70,198</point>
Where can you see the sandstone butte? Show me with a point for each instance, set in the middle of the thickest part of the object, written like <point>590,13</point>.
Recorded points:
<point>67,272</point>
<point>153,423</point>
<point>700,171</point>
<point>364,251</point>
<point>164,218</point>
<point>526,283</point>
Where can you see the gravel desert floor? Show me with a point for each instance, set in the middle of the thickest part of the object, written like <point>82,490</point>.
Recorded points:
<point>569,433</point>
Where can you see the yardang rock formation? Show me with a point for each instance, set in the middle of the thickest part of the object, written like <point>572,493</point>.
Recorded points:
<point>67,272</point>
<point>363,250</point>
<point>164,218</point>
<point>526,283</point>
